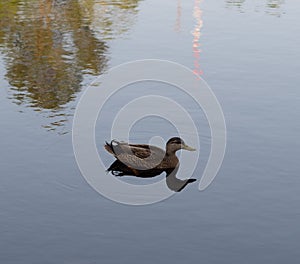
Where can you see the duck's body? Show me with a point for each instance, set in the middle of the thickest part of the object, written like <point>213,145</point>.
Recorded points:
<point>146,157</point>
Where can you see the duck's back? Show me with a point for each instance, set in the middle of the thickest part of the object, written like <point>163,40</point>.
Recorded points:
<point>137,156</point>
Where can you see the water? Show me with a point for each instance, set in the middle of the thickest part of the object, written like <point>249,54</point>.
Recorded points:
<point>248,53</point>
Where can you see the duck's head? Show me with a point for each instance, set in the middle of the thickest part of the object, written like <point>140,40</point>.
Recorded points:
<point>175,144</point>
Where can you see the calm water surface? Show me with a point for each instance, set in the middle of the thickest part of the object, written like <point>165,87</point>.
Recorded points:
<point>248,52</point>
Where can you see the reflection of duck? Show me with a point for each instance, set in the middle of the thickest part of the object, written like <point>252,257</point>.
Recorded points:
<point>147,161</point>
<point>117,168</point>
<point>174,183</point>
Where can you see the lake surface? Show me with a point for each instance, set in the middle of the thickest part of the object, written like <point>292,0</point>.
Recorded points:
<point>247,51</point>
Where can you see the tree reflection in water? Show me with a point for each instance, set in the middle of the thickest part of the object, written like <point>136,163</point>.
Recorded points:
<point>51,45</point>
<point>271,7</point>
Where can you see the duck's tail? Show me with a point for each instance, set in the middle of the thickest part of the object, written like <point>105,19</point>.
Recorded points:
<point>109,147</point>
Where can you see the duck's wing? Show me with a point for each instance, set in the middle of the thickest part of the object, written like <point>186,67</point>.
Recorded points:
<point>138,156</point>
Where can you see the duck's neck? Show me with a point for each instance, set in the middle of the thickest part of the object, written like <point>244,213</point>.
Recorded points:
<point>171,158</point>
<point>170,152</point>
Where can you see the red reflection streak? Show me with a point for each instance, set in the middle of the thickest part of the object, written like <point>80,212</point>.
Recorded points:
<point>178,17</point>
<point>197,13</point>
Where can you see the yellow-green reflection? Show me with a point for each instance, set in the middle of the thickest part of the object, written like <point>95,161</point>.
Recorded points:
<point>238,4</point>
<point>110,18</point>
<point>271,7</point>
<point>50,45</point>
<point>274,7</point>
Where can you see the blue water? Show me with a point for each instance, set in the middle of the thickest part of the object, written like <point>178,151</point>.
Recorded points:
<point>248,52</point>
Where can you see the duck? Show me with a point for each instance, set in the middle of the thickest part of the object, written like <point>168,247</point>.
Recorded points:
<point>136,158</point>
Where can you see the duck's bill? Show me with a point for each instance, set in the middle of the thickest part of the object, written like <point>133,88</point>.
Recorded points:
<point>186,147</point>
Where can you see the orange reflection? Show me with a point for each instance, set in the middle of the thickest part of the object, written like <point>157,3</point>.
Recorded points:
<point>178,17</point>
<point>197,13</point>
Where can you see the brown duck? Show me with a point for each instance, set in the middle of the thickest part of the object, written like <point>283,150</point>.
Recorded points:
<point>145,160</point>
